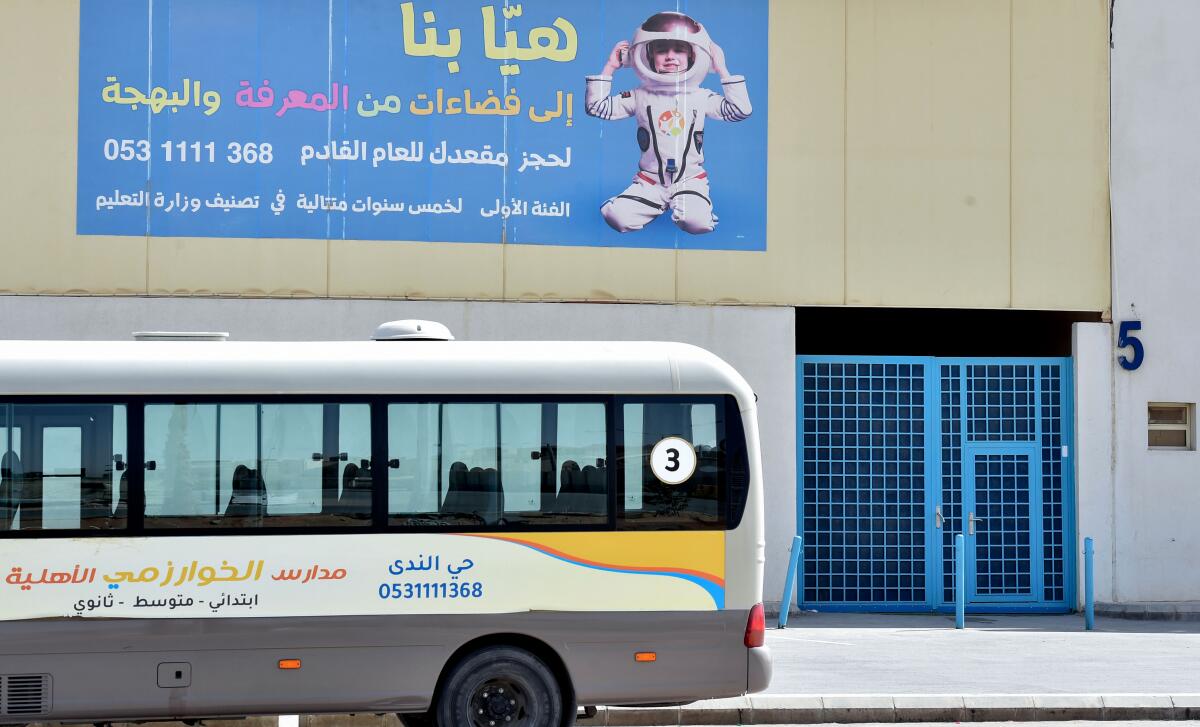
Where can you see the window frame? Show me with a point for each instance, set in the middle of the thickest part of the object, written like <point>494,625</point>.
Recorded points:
<point>379,524</point>
<point>1188,427</point>
<point>139,471</point>
<point>34,402</point>
<point>720,401</point>
<point>605,400</point>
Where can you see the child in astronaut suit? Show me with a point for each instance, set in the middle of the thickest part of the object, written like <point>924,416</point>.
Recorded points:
<point>672,54</point>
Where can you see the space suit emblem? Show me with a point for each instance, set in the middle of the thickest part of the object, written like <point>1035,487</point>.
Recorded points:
<point>671,122</point>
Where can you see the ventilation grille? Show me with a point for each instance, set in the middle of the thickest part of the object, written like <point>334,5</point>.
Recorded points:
<point>24,694</point>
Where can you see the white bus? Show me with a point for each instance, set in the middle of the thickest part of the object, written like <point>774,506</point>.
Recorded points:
<point>462,533</point>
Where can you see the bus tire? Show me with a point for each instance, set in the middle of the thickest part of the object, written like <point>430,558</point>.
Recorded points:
<point>500,686</point>
<point>419,719</point>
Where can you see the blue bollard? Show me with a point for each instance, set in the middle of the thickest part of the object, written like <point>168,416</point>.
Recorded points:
<point>790,582</point>
<point>960,582</point>
<point>1089,584</point>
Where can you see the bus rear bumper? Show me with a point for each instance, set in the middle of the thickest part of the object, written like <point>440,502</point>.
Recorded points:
<point>758,672</point>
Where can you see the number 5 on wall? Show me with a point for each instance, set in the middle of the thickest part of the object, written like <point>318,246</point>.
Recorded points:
<point>1125,340</point>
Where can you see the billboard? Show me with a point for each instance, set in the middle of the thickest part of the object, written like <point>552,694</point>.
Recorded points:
<point>628,123</point>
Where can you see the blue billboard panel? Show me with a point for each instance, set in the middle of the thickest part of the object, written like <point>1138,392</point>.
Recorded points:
<point>617,124</point>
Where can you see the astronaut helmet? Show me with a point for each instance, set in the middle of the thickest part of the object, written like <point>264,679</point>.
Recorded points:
<point>669,27</point>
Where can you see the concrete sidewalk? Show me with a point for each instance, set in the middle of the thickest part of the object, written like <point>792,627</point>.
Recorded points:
<point>889,668</point>
<point>923,654</point>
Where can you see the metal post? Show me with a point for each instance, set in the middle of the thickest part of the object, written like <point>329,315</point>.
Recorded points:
<point>790,582</point>
<point>1089,583</point>
<point>960,582</point>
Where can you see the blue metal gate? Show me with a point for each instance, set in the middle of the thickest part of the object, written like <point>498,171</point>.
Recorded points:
<point>898,455</point>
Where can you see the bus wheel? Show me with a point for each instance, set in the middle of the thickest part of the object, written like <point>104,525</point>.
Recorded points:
<point>500,686</point>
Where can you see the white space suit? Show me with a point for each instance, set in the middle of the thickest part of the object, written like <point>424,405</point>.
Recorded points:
<point>670,109</point>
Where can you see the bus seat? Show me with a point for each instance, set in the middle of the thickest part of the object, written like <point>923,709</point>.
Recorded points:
<point>581,490</point>
<point>593,479</point>
<point>486,480</point>
<point>570,482</point>
<point>456,483</point>
<point>458,477</point>
<point>570,479</point>
<point>456,486</point>
<point>249,494</point>
<point>475,491</point>
<point>355,500</point>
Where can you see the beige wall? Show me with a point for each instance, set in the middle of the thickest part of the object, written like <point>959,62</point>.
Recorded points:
<point>948,153</point>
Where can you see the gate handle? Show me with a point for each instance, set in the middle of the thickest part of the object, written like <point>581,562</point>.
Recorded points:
<point>971,520</point>
<point>938,520</point>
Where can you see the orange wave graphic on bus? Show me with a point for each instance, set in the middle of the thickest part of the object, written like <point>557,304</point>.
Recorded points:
<point>710,579</point>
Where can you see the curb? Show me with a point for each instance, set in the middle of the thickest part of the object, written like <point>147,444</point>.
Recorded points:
<point>854,708</point>
<point>765,709</point>
<point>1151,610</point>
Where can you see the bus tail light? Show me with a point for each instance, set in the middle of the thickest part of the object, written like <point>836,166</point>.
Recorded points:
<point>289,663</point>
<point>756,627</point>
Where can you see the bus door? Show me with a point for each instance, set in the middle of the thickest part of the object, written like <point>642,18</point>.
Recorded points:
<point>59,464</point>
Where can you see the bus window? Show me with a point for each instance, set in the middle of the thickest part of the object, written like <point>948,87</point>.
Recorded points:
<point>682,488</point>
<point>476,464</point>
<point>582,472</point>
<point>62,462</point>
<point>413,459</point>
<point>59,465</point>
<point>470,464</point>
<point>181,476</point>
<point>553,464</point>
<point>257,465</point>
<point>291,478</point>
<point>520,434</point>
<point>238,448</point>
<point>353,483</point>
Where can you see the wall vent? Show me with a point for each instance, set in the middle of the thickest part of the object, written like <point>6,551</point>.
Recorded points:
<point>24,694</point>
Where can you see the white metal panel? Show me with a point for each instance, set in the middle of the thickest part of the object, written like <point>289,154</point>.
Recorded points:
<point>362,368</point>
